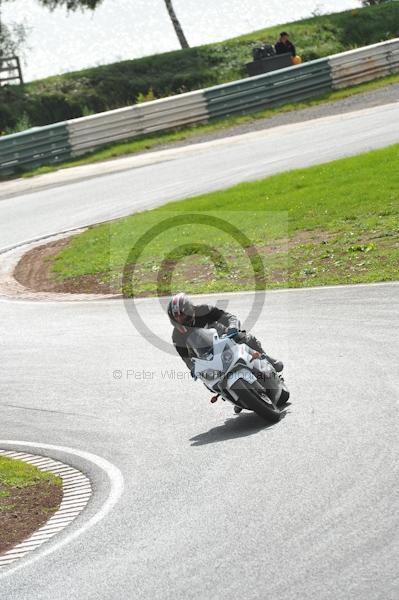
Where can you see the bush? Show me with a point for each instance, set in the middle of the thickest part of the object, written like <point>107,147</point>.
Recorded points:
<point>21,125</point>
<point>12,106</point>
<point>371,25</point>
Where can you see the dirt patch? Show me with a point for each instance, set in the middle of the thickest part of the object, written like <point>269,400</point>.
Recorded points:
<point>23,510</point>
<point>34,272</point>
<point>34,269</point>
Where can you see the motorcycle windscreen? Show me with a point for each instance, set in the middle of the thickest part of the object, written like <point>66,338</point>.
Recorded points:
<point>200,341</point>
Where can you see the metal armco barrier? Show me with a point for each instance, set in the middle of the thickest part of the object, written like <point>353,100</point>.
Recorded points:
<point>55,143</point>
<point>88,133</point>
<point>291,84</point>
<point>33,148</point>
<point>91,132</point>
<point>364,64</point>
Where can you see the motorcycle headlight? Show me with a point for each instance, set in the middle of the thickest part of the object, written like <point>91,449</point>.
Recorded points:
<point>227,357</point>
<point>211,374</point>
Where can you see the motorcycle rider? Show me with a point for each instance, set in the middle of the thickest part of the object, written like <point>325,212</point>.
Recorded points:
<point>184,315</point>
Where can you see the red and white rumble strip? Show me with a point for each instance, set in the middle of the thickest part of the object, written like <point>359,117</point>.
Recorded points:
<point>76,494</point>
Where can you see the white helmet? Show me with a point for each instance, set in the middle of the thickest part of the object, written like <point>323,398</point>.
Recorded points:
<point>181,311</point>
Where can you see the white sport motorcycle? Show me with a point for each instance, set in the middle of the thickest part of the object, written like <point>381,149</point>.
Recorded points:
<point>237,373</point>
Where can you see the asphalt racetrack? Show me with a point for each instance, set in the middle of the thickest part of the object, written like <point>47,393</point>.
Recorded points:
<point>215,506</point>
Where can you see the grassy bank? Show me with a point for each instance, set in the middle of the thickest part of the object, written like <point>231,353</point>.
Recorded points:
<point>124,83</point>
<point>329,224</point>
<point>159,139</point>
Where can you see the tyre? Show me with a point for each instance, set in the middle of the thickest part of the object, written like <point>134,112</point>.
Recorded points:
<point>252,396</point>
<point>283,397</point>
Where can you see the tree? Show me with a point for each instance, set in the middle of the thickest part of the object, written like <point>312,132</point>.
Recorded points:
<point>11,37</point>
<point>92,4</point>
<point>176,24</point>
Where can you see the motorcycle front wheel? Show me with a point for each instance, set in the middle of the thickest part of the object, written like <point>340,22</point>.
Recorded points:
<point>252,396</point>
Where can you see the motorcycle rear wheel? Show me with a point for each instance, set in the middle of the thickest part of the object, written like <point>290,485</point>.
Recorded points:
<point>250,395</point>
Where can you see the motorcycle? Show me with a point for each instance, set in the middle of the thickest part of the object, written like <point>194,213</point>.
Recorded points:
<point>237,373</point>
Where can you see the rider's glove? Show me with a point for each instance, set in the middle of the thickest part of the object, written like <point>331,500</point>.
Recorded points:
<point>192,373</point>
<point>232,331</point>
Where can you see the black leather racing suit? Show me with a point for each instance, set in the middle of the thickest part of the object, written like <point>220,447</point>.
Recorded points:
<point>206,315</point>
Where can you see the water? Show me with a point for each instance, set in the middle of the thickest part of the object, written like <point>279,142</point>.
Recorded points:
<point>123,29</point>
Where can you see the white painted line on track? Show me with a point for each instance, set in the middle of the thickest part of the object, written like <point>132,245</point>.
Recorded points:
<point>342,286</point>
<point>116,481</point>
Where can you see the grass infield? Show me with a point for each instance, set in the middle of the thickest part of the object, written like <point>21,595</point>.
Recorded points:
<point>28,497</point>
<point>16,473</point>
<point>333,223</point>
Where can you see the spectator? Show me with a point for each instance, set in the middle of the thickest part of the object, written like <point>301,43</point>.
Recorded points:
<point>284,46</point>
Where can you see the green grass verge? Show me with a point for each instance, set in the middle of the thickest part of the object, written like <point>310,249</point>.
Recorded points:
<point>15,473</point>
<point>124,83</point>
<point>329,224</point>
<point>152,141</point>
